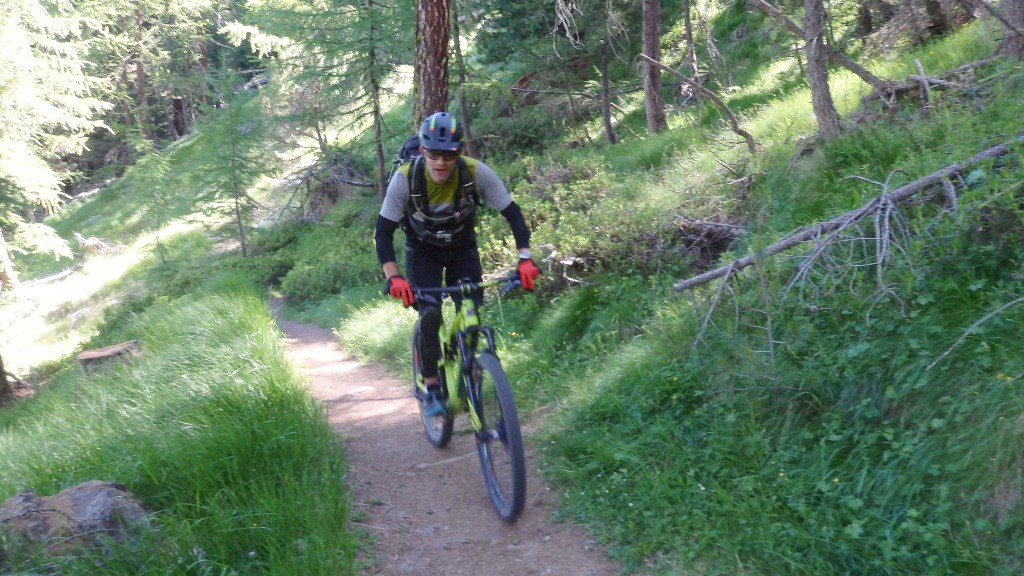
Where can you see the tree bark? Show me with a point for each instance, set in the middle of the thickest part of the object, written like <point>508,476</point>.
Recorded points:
<point>606,98</point>
<point>881,86</point>
<point>1011,13</point>
<point>938,23</point>
<point>375,104</point>
<point>690,47</point>
<point>865,24</point>
<point>460,64</point>
<point>817,70</point>
<point>6,393</point>
<point>8,275</point>
<point>141,97</point>
<point>751,144</point>
<point>432,62</point>
<point>654,103</point>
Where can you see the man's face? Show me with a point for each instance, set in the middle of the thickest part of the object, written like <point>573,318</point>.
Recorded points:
<point>440,165</point>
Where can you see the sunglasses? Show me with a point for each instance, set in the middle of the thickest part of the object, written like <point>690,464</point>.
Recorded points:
<point>446,155</point>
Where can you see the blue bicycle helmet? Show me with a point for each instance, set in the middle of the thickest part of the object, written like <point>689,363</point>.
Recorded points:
<point>441,133</point>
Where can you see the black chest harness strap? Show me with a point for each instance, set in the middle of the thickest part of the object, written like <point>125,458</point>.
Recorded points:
<point>444,227</point>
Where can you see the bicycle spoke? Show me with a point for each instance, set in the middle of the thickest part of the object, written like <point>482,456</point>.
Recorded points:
<point>499,443</point>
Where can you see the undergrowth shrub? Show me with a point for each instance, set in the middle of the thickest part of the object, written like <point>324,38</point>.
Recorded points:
<point>584,218</point>
<point>312,260</point>
<point>863,426</point>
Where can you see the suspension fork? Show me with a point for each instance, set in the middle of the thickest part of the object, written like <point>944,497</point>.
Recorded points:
<point>467,342</point>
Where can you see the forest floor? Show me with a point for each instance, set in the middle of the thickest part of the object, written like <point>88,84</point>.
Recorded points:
<point>426,509</point>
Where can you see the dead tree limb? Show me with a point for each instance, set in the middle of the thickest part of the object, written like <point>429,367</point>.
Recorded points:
<point>882,87</point>
<point>916,81</point>
<point>926,91</point>
<point>992,11</point>
<point>971,329</point>
<point>751,144</point>
<point>845,220</point>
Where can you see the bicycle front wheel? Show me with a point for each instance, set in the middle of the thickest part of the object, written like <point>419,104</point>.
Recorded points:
<point>439,426</point>
<point>499,442</point>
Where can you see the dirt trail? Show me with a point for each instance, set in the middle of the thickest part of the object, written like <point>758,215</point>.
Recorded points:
<point>428,508</point>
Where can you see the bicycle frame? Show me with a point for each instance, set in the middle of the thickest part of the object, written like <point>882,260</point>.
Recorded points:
<point>475,383</point>
<point>460,337</point>
<point>463,334</point>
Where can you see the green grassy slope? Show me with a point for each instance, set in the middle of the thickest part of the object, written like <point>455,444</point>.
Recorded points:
<point>210,428</point>
<point>862,420</point>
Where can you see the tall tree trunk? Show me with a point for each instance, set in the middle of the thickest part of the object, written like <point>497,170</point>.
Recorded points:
<point>968,8</point>
<point>1011,13</point>
<point>817,69</point>
<point>141,96</point>
<point>178,123</point>
<point>751,143</point>
<point>6,393</point>
<point>127,116</point>
<point>938,23</point>
<point>606,98</point>
<point>460,65</point>
<point>655,104</point>
<point>238,192</point>
<point>690,47</point>
<point>240,222</point>
<point>375,104</point>
<point>8,275</point>
<point>909,8</point>
<point>865,23</point>
<point>883,87</point>
<point>432,57</point>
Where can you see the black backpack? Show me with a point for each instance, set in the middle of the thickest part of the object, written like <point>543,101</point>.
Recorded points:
<point>409,150</point>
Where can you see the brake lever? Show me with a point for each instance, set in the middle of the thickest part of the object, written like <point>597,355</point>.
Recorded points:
<point>510,285</point>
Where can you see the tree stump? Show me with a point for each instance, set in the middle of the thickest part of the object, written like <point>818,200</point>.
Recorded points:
<point>93,359</point>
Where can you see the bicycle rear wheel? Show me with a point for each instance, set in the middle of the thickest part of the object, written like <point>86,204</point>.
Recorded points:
<point>499,443</point>
<point>438,427</point>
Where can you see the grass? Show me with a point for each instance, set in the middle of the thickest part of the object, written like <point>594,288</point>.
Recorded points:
<point>211,428</point>
<point>797,432</point>
<point>860,422</point>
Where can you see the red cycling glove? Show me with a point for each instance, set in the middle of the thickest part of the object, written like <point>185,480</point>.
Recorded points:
<point>399,289</point>
<point>528,272</point>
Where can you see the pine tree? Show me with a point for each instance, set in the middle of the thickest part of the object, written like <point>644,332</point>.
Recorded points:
<point>238,133</point>
<point>47,108</point>
<point>334,61</point>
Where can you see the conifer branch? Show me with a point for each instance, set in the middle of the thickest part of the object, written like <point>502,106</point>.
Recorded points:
<point>751,144</point>
<point>971,328</point>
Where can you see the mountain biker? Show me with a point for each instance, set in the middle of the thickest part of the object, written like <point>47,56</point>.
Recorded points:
<point>433,198</point>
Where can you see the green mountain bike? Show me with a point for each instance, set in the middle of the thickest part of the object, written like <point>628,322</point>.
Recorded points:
<point>473,382</point>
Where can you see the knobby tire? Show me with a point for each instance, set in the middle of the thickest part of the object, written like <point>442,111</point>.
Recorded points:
<point>500,443</point>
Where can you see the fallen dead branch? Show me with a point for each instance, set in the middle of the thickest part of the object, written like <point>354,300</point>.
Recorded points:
<point>995,13</point>
<point>920,82</point>
<point>751,144</point>
<point>829,227</point>
<point>883,88</point>
<point>971,329</point>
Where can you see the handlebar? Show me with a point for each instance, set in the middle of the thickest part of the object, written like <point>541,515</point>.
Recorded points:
<point>507,282</point>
